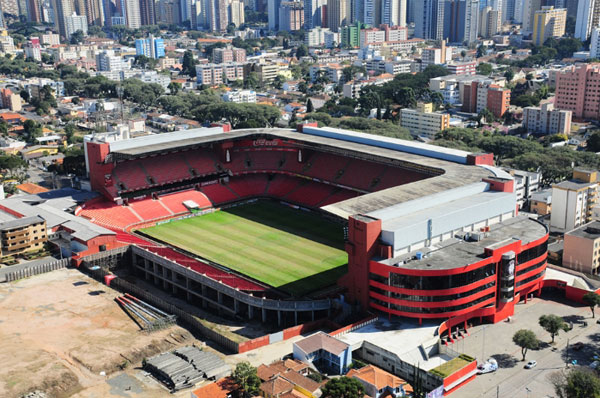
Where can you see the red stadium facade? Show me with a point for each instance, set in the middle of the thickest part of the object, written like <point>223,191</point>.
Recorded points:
<point>355,180</point>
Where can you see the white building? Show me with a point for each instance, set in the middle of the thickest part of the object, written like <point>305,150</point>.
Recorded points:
<point>152,76</point>
<point>583,22</point>
<point>245,96</point>
<point>547,120</point>
<point>108,61</point>
<point>315,37</point>
<point>423,122</point>
<point>595,43</point>
<point>50,39</point>
<point>572,201</point>
<point>76,22</point>
<point>526,184</point>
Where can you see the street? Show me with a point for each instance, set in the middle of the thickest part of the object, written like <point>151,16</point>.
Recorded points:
<point>511,379</point>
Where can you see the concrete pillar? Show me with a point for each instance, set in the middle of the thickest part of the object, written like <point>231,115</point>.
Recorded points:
<point>236,306</point>
<point>250,311</point>
<point>219,297</point>
<point>312,315</point>
<point>164,278</point>
<point>155,271</point>
<point>188,294</point>
<point>278,318</point>
<point>295,318</point>
<point>264,315</point>
<point>204,303</point>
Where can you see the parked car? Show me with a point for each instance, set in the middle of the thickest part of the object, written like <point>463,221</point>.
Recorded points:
<point>531,365</point>
<point>594,365</point>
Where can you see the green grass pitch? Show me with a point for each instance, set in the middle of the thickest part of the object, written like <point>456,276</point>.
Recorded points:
<point>292,250</point>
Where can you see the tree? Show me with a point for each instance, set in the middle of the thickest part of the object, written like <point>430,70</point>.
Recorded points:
<point>77,37</point>
<point>343,387</point>
<point>309,106</point>
<point>246,378</point>
<point>509,74</point>
<point>32,130</point>
<point>25,95</point>
<point>577,383</point>
<point>70,132</point>
<point>592,299</point>
<point>174,87</point>
<point>484,69</point>
<point>525,339</point>
<point>553,324</point>
<point>301,51</point>
<point>593,142</point>
<point>481,51</point>
<point>189,64</point>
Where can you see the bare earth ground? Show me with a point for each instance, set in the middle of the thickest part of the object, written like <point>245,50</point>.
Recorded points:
<point>59,330</point>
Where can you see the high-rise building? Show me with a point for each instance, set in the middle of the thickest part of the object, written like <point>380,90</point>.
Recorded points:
<point>94,11</point>
<point>461,21</point>
<point>313,13</point>
<point>529,9</point>
<point>595,43</point>
<point>273,13</point>
<point>34,11</point>
<point>548,22</point>
<point>169,12</point>
<point>357,10</point>
<point>151,47</point>
<point>62,9</point>
<point>10,7</point>
<point>488,22</point>
<point>148,12</point>
<point>338,14</point>
<point>133,17</point>
<point>185,10</point>
<point>350,35</point>
<point>236,12</point>
<point>572,201</point>
<point>546,120</point>
<point>429,19</point>
<point>577,91</point>
<point>291,16</point>
<point>585,16</point>
<point>75,23</point>
<point>508,10</point>
<point>108,61</point>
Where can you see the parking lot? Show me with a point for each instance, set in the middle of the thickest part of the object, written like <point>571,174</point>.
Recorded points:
<point>511,379</point>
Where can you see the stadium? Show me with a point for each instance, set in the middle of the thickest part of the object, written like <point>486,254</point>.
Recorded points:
<point>277,225</point>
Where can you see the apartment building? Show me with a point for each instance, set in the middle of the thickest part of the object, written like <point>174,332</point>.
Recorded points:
<point>578,91</point>
<point>214,74</point>
<point>581,251</point>
<point>240,96</point>
<point>478,96</point>
<point>10,100</point>
<point>22,235</point>
<point>462,68</point>
<point>423,121</point>
<point>548,22</point>
<point>572,201</point>
<point>546,120</point>
<point>228,55</point>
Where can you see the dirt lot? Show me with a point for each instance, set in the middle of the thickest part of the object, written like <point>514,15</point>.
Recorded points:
<point>59,330</point>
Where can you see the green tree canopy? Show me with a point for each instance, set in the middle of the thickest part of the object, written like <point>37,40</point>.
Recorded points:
<point>343,387</point>
<point>484,69</point>
<point>525,339</point>
<point>553,324</point>
<point>577,383</point>
<point>246,378</point>
<point>592,299</point>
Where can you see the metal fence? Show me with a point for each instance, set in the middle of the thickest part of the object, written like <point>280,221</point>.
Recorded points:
<point>36,270</point>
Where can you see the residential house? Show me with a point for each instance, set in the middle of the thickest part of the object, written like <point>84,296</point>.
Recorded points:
<point>325,352</point>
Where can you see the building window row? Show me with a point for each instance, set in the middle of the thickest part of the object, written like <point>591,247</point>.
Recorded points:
<point>432,299</point>
<point>442,282</point>
<point>531,278</point>
<point>531,267</point>
<point>421,310</point>
<point>532,253</point>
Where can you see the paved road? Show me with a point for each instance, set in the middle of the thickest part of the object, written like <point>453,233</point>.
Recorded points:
<point>512,380</point>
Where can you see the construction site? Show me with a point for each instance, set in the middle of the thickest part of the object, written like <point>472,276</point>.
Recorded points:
<point>63,333</point>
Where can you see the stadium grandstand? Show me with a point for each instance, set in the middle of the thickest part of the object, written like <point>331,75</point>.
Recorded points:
<point>429,232</point>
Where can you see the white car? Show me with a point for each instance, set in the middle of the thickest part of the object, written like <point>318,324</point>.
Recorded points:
<point>594,365</point>
<point>531,365</point>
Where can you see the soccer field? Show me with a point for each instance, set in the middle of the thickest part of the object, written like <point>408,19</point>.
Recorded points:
<point>292,250</point>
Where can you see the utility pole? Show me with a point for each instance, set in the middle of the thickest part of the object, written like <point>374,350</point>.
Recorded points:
<point>497,391</point>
